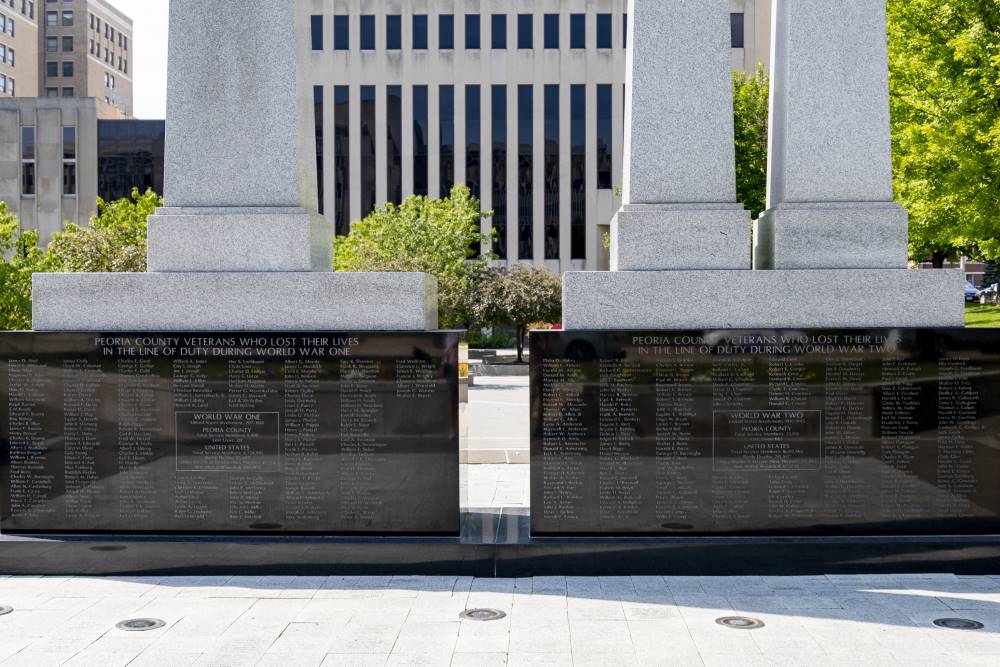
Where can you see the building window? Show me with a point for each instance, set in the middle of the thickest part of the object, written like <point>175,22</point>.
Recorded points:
<point>421,132</point>
<point>498,30</point>
<point>420,32</point>
<point>67,44</point>
<point>67,18</point>
<point>368,155</point>
<point>394,32</point>
<point>624,31</point>
<point>68,92</point>
<point>578,31</point>
<point>473,139</point>
<point>604,31</point>
<point>341,33</point>
<point>551,31</point>
<point>52,45</point>
<point>551,176</point>
<point>69,161</point>
<point>578,171</point>
<point>368,32</point>
<point>394,143</point>
<point>51,19</point>
<point>604,137</point>
<point>52,70</point>
<point>318,123</point>
<point>28,161</point>
<point>525,31</point>
<point>473,32</point>
<point>446,32</point>
<point>447,135</point>
<point>67,68</point>
<point>10,57</point>
<point>498,114</point>
<point>736,20</point>
<point>52,92</point>
<point>342,159</point>
<point>526,171</point>
<point>316,24</point>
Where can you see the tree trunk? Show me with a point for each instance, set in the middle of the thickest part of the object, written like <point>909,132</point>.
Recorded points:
<point>520,343</point>
<point>938,259</point>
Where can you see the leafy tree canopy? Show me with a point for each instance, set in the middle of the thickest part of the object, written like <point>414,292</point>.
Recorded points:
<point>945,79</point>
<point>439,237</point>
<point>520,297</point>
<point>750,110</point>
<point>20,257</point>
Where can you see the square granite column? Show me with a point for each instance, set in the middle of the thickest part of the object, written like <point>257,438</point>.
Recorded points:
<point>233,248</point>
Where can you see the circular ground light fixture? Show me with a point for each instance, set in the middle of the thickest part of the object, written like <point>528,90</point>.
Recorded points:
<point>740,622</point>
<point>109,547</point>
<point>140,624</point>
<point>958,624</point>
<point>4,610</point>
<point>482,614</point>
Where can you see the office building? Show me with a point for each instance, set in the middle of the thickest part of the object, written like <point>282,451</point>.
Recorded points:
<point>18,48</point>
<point>522,102</point>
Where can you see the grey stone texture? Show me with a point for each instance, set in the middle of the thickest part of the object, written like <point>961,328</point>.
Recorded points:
<point>627,300</point>
<point>679,123</point>
<point>226,240</point>
<point>830,158</point>
<point>234,302</point>
<point>650,237</point>
<point>832,236</point>
<point>231,137</point>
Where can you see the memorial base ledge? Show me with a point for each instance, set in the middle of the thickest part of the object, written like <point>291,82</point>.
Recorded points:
<point>857,298</point>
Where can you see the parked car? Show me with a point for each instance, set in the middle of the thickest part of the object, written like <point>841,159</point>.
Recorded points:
<point>971,292</point>
<point>989,295</point>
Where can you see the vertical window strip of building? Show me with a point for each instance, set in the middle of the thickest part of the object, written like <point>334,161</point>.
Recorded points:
<point>421,129</point>
<point>420,32</point>
<point>578,171</point>
<point>526,169</point>
<point>447,134</point>
<point>316,25</point>
<point>552,172</point>
<point>368,157</point>
<point>394,143</point>
<point>342,159</point>
<point>473,139</point>
<point>69,161</point>
<point>318,121</point>
<point>472,32</point>
<point>605,140</point>
<point>28,161</point>
<point>498,114</point>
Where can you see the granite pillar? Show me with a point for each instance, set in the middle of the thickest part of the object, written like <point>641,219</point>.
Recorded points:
<point>236,245</point>
<point>830,196</point>
<point>679,192</point>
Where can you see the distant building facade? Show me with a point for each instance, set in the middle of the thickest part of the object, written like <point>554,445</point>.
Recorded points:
<point>18,48</point>
<point>85,50</point>
<point>523,102</point>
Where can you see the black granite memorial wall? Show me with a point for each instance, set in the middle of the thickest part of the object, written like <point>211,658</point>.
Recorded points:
<point>887,432</point>
<point>331,433</point>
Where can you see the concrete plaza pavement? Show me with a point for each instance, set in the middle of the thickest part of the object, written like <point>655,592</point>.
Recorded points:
<point>498,420</point>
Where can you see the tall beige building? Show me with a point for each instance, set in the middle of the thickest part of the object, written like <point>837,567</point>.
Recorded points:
<point>18,48</point>
<point>85,50</point>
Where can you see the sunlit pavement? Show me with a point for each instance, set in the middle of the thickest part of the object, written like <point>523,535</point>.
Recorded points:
<point>839,620</point>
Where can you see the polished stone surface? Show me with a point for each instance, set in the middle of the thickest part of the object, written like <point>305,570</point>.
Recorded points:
<point>234,301</point>
<point>230,433</point>
<point>217,240</point>
<point>231,137</point>
<point>762,299</point>
<point>663,237</point>
<point>755,432</point>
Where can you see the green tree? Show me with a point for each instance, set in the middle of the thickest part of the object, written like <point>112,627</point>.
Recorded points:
<point>20,257</point>
<point>114,242</point>
<point>750,110</point>
<point>991,273</point>
<point>520,297</point>
<point>422,235</point>
<point>945,81</point>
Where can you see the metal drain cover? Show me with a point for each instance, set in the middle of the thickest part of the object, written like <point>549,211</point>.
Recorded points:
<point>4,610</point>
<point>482,614</point>
<point>140,624</point>
<point>109,547</point>
<point>958,624</point>
<point>740,622</point>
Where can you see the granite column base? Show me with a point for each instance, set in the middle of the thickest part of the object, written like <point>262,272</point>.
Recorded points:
<point>113,302</point>
<point>855,298</point>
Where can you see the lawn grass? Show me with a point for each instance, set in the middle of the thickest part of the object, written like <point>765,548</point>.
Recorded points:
<point>982,317</point>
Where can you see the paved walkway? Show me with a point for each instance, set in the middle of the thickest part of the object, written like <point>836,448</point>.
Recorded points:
<point>291,621</point>
<point>498,419</point>
<point>485,486</point>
